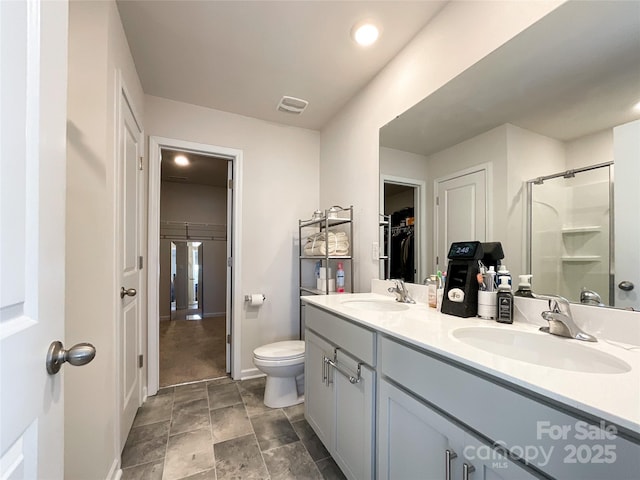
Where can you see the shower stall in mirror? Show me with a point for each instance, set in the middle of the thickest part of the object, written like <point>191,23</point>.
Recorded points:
<point>570,247</point>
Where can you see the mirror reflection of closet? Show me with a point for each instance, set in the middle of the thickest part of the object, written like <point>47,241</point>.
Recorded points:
<point>399,202</point>
<point>186,280</point>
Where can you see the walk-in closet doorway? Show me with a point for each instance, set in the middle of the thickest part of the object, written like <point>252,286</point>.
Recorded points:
<point>192,196</point>
<point>403,200</point>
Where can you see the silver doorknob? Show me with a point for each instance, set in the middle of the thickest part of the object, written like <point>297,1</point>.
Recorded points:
<point>130,292</point>
<point>79,354</point>
<point>626,285</point>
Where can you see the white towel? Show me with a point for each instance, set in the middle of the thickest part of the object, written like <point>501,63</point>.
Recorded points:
<point>338,244</point>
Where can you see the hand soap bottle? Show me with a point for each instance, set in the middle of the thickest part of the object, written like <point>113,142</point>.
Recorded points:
<point>340,278</point>
<point>524,288</point>
<point>505,301</point>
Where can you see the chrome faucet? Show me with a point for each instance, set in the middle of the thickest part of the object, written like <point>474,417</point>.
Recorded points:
<point>400,289</point>
<point>590,297</point>
<point>560,319</point>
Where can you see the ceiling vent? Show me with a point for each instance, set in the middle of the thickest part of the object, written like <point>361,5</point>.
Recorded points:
<point>292,105</point>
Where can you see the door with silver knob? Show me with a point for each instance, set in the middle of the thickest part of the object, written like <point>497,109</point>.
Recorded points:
<point>33,80</point>
<point>79,354</point>
<point>129,264</point>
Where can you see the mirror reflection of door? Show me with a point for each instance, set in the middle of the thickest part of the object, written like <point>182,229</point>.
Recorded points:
<point>186,280</point>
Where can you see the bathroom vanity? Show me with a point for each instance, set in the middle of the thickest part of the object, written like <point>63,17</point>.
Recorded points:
<point>403,391</point>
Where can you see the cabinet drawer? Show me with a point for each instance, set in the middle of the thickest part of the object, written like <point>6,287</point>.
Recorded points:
<point>517,420</point>
<point>358,341</point>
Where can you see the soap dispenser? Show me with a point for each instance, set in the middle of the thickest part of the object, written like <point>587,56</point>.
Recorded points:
<point>505,301</point>
<point>524,288</point>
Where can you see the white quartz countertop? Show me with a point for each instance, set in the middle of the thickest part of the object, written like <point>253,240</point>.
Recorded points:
<point>613,397</point>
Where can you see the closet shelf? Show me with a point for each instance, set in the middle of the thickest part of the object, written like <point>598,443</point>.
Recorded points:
<point>585,229</point>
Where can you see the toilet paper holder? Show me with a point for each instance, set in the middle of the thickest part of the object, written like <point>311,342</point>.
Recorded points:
<point>247,298</point>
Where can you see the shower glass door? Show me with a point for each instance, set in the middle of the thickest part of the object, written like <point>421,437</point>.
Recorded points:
<point>570,233</point>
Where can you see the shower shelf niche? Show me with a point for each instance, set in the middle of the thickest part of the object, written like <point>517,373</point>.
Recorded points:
<point>581,258</point>
<point>586,229</point>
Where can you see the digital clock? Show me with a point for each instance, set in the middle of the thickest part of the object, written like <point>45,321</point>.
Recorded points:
<point>465,251</point>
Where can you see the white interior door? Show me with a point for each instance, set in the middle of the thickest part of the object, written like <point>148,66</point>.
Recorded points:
<point>626,214</point>
<point>129,184</point>
<point>229,305</point>
<point>33,85</point>
<point>461,212</point>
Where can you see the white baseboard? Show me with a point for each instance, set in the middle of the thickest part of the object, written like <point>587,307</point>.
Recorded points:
<point>250,373</point>
<point>115,472</point>
<point>213,314</point>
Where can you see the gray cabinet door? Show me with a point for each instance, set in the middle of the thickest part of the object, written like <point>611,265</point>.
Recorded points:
<point>355,417</point>
<point>318,391</point>
<point>413,439</point>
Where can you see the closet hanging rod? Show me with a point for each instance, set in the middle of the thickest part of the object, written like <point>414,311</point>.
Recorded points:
<point>192,237</point>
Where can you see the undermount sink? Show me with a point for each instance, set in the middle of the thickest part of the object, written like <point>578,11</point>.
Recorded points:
<point>541,349</point>
<point>376,305</point>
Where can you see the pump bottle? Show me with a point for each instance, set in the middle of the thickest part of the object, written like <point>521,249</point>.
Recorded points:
<point>505,301</point>
<point>340,278</point>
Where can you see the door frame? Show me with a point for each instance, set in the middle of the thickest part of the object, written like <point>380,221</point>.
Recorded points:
<point>487,167</point>
<point>420,212</point>
<point>156,144</point>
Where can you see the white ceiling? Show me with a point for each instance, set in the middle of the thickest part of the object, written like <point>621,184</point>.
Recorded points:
<point>243,56</point>
<point>575,72</point>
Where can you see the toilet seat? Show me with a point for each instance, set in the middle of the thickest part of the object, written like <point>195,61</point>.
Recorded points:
<point>287,350</point>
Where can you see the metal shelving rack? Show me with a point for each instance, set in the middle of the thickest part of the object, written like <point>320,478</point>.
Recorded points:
<point>333,219</point>
<point>385,246</point>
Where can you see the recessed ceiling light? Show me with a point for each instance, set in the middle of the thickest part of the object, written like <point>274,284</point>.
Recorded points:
<point>636,107</point>
<point>181,160</point>
<point>365,33</point>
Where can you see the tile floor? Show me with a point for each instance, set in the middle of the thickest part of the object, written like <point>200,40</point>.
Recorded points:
<point>219,430</point>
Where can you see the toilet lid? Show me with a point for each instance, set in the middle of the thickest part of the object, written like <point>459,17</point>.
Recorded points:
<point>280,350</point>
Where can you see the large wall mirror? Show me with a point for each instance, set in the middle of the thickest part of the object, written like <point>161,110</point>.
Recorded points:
<point>562,95</point>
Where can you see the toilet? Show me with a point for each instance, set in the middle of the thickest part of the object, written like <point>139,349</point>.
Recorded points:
<point>283,363</point>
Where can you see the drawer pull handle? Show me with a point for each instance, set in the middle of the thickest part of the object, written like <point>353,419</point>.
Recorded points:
<point>353,379</point>
<point>448,456</point>
<point>466,470</point>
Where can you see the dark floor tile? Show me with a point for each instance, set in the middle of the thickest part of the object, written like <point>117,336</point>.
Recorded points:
<point>189,416</point>
<point>294,413</point>
<point>310,440</point>
<point>229,422</point>
<point>145,444</point>
<point>148,471</point>
<point>165,391</point>
<point>252,392</point>
<point>187,454</point>
<point>330,470</point>
<point>193,391</point>
<point>154,409</point>
<point>291,462</point>
<point>208,475</point>
<point>273,429</point>
<point>220,381</point>
<point>239,458</point>
<point>223,395</point>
